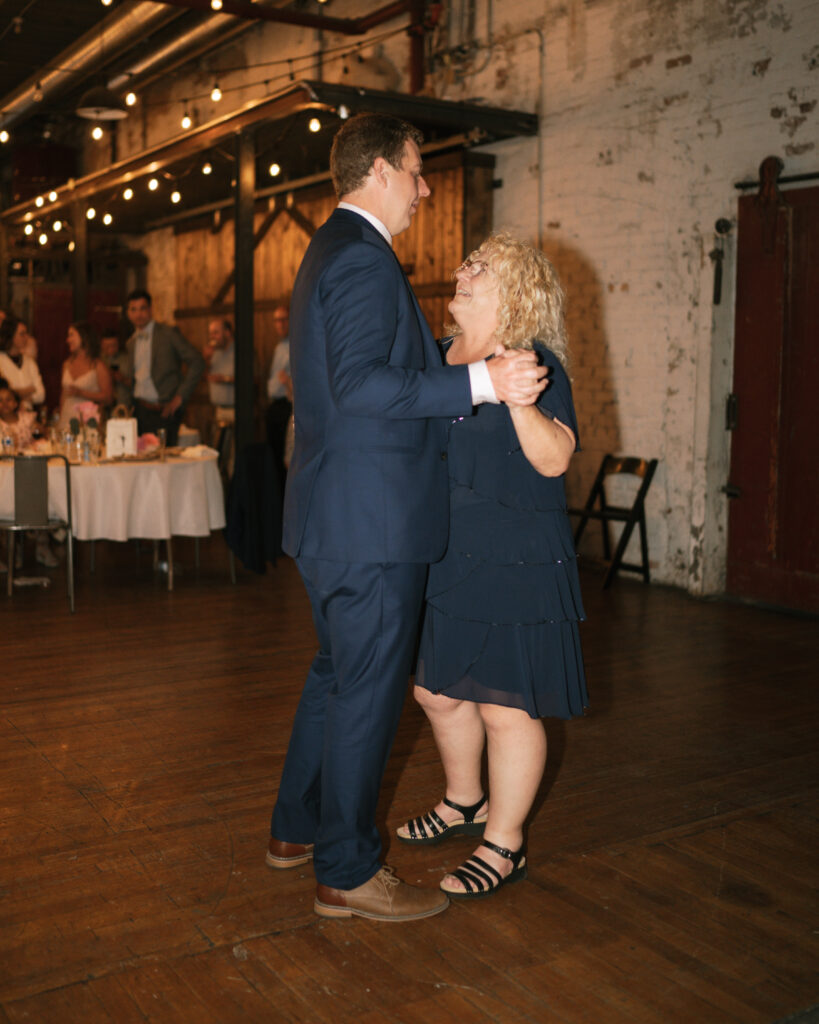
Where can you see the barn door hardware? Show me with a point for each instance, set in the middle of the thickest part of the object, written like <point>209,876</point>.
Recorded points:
<point>717,254</point>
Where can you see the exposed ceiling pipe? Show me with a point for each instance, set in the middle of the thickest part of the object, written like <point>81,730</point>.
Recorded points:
<point>255,12</point>
<point>187,46</point>
<point>119,29</point>
<point>114,34</point>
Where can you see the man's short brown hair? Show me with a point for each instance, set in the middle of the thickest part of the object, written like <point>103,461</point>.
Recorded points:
<point>361,140</point>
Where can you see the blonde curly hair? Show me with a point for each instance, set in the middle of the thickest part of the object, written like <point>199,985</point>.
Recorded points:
<point>530,299</point>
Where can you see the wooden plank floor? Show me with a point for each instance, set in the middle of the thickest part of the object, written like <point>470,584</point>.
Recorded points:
<point>673,849</point>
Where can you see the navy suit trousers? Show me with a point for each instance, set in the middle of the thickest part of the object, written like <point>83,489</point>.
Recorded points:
<point>366,618</point>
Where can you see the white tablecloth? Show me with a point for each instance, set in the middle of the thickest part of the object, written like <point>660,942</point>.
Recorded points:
<point>120,500</point>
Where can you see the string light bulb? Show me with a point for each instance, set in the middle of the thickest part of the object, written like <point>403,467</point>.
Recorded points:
<point>43,238</point>
<point>90,213</point>
<point>216,5</point>
<point>4,136</point>
<point>71,246</point>
<point>107,218</point>
<point>130,99</point>
<point>107,3</point>
<point>39,201</point>
<point>96,132</point>
<point>186,121</point>
<point>57,225</point>
<point>207,167</point>
<point>216,93</point>
<point>153,184</point>
<point>128,194</point>
<point>175,196</point>
<point>343,111</point>
<point>52,196</point>
<point>275,170</point>
<point>28,229</point>
<point>314,124</point>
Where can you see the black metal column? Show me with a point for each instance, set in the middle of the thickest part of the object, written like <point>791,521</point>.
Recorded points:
<point>245,186</point>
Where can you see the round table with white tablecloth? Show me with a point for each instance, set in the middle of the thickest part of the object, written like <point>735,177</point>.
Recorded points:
<point>148,499</point>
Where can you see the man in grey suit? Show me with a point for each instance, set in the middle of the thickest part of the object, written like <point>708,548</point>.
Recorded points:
<point>157,353</point>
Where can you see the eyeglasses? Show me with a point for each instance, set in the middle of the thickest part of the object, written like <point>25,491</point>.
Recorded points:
<point>473,267</point>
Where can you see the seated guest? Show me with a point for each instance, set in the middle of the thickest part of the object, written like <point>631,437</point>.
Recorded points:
<point>279,389</point>
<point>85,378</point>
<point>18,424</point>
<point>15,422</point>
<point>166,369</point>
<point>220,354</point>
<point>17,368</point>
<point>112,354</point>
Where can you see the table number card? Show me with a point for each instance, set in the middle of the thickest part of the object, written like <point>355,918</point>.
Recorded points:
<point>120,438</point>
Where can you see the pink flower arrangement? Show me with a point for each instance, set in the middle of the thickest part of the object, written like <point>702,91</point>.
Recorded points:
<point>87,411</point>
<point>147,442</point>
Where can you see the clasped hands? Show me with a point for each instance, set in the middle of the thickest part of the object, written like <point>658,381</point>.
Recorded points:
<point>516,376</point>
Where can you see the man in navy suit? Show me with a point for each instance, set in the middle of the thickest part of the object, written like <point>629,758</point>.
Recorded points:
<point>365,511</point>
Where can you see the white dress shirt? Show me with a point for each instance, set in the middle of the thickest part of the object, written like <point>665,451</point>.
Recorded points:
<point>144,386</point>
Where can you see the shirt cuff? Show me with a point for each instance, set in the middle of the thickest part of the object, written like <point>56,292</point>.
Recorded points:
<point>481,384</point>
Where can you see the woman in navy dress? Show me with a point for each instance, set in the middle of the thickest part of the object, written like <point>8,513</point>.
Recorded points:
<point>500,648</point>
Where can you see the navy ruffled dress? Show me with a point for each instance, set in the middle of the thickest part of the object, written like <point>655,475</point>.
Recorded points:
<point>503,605</point>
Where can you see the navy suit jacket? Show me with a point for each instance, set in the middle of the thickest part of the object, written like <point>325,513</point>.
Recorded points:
<point>368,478</point>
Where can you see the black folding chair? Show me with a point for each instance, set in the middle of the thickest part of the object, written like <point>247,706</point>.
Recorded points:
<point>598,507</point>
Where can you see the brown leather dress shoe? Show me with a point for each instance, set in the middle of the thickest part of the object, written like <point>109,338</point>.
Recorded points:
<point>383,898</point>
<point>287,855</point>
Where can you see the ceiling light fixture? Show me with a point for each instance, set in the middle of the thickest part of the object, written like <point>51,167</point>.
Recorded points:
<point>100,104</point>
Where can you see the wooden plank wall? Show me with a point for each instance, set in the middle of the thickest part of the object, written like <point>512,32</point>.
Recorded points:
<point>442,232</point>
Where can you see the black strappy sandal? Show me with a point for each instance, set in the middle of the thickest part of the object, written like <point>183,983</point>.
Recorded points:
<point>480,878</point>
<point>431,828</point>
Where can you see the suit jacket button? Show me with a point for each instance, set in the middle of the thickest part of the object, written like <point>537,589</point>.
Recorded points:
<point>443,456</point>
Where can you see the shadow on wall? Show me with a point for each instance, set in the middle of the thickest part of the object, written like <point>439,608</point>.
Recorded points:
<point>593,387</point>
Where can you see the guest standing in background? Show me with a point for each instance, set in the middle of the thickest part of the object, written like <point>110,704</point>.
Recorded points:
<point>220,359</point>
<point>116,359</point>
<point>279,390</point>
<point>18,369</point>
<point>85,377</point>
<point>166,369</point>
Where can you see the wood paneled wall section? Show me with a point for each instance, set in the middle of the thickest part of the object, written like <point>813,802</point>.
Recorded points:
<point>449,224</point>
